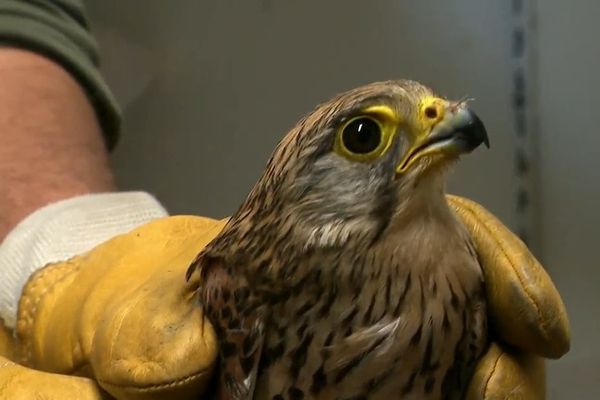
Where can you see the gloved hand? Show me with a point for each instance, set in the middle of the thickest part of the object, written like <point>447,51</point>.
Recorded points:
<point>123,315</point>
<point>527,316</point>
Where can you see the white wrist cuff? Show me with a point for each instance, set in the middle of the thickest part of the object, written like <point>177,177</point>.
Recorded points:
<point>62,230</point>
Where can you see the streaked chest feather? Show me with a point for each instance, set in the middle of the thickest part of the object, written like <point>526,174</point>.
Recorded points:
<point>400,322</point>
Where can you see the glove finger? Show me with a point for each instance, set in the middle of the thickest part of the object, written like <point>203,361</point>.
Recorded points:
<point>504,375</point>
<point>523,303</point>
<point>20,383</point>
<point>154,342</point>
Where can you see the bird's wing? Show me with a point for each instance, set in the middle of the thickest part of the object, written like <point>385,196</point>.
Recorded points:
<point>239,324</point>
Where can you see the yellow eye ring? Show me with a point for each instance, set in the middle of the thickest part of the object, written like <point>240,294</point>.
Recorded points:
<point>363,138</point>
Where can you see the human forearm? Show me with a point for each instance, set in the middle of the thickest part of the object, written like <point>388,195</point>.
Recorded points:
<point>51,143</point>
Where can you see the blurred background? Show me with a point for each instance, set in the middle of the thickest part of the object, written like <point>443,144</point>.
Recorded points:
<point>209,87</point>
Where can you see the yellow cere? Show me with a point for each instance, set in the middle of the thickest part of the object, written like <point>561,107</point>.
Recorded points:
<point>432,110</point>
<point>388,122</point>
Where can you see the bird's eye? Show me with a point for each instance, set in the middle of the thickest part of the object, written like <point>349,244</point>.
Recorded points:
<point>366,136</point>
<point>362,135</point>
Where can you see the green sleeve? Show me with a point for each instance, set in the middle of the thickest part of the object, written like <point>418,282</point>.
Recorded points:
<point>59,29</point>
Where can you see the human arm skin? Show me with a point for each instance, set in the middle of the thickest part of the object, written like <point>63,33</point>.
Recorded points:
<point>51,146</point>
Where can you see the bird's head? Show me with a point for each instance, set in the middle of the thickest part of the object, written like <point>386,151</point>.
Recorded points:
<point>364,159</point>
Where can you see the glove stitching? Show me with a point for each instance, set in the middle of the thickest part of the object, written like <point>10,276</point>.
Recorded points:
<point>32,297</point>
<point>541,320</point>
<point>178,382</point>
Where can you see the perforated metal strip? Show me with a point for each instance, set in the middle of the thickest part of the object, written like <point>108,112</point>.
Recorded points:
<point>525,119</point>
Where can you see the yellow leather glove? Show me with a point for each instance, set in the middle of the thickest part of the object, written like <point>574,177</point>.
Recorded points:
<point>526,312</point>
<point>124,316</point>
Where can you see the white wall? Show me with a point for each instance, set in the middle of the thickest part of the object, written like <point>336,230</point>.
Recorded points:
<point>211,86</point>
<point>569,68</point>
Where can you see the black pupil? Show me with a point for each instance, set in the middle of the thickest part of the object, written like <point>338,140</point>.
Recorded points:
<point>362,136</point>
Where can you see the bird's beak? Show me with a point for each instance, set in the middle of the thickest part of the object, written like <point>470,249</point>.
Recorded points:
<point>460,131</point>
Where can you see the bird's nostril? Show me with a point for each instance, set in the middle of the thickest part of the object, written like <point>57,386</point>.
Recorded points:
<point>431,112</point>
